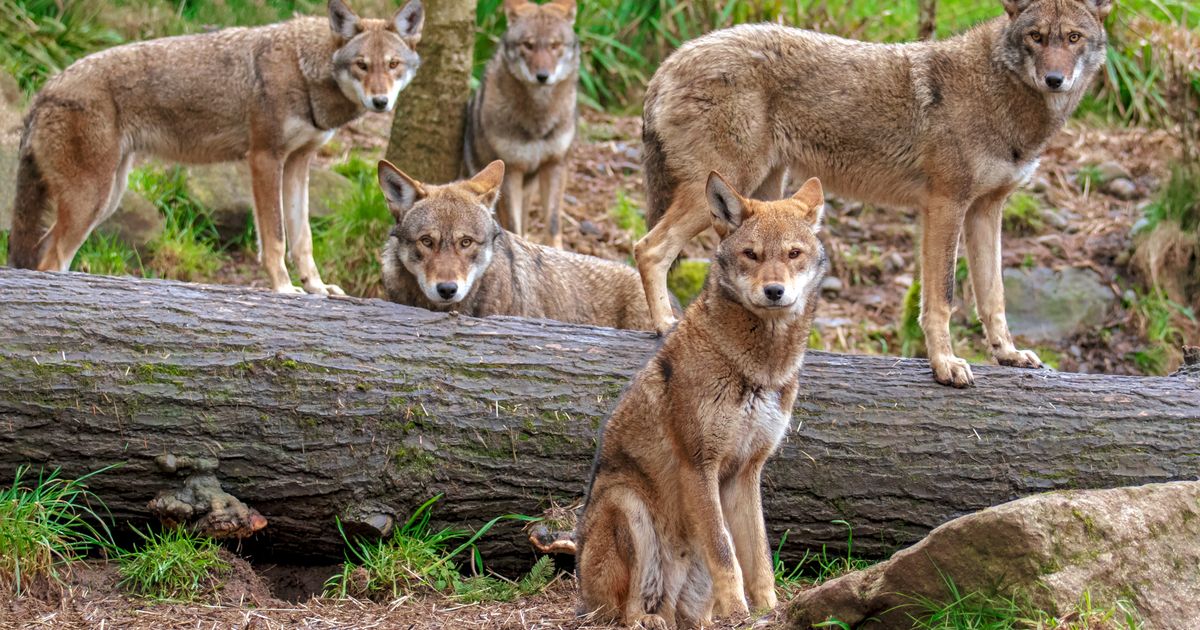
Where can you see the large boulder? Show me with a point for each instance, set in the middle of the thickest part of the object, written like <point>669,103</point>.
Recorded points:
<point>1140,545</point>
<point>225,188</point>
<point>136,221</point>
<point>10,139</point>
<point>1049,305</point>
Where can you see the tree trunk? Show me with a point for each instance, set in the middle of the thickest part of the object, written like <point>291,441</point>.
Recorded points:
<point>927,18</point>
<point>308,408</point>
<point>427,131</point>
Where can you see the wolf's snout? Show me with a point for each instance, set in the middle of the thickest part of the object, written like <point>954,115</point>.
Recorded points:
<point>543,76</point>
<point>380,102</point>
<point>1054,80</point>
<point>447,289</point>
<point>774,292</point>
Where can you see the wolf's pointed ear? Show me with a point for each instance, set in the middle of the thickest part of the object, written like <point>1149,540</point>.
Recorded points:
<point>812,196</point>
<point>1100,7</point>
<point>568,6</point>
<point>407,22</point>
<point>486,183</point>
<point>512,6</point>
<point>342,21</point>
<point>728,207</point>
<point>400,190</point>
<point>1014,7</point>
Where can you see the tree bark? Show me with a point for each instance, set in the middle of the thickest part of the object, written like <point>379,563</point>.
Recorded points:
<point>927,18</point>
<point>427,131</point>
<point>307,408</point>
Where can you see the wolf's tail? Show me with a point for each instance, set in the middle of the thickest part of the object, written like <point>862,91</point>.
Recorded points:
<point>660,185</point>
<point>29,204</point>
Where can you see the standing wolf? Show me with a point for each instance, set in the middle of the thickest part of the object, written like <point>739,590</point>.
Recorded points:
<point>948,127</point>
<point>524,112</point>
<point>673,528</point>
<point>271,95</point>
<point>448,253</point>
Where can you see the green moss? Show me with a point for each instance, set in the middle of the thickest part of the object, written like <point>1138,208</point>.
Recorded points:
<point>687,279</point>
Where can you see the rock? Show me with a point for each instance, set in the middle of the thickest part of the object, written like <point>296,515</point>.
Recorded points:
<point>136,221</point>
<point>831,285</point>
<point>1047,305</point>
<point>1140,545</point>
<point>903,280</point>
<point>894,262</point>
<point>1121,188</point>
<point>225,189</point>
<point>1055,219</point>
<point>10,141</point>
<point>1111,170</point>
<point>587,227</point>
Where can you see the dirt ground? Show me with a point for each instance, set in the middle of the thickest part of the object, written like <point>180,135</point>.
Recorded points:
<point>90,598</point>
<point>871,250</point>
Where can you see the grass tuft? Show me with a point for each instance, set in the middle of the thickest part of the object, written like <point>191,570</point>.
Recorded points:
<point>45,526</point>
<point>173,565</point>
<point>3,247</point>
<point>1023,214</point>
<point>188,249</point>
<point>816,568</point>
<point>347,243</point>
<point>107,255</point>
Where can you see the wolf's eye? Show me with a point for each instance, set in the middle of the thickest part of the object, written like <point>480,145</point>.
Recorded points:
<point>427,242</point>
<point>1035,37</point>
<point>795,253</point>
<point>555,46</point>
<point>466,242</point>
<point>1074,37</point>
<point>749,253</point>
<point>527,45</point>
<point>362,64</point>
<point>393,64</point>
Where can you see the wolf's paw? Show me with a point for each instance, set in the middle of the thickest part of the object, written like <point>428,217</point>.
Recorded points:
<point>665,326</point>
<point>731,605</point>
<point>651,622</point>
<point>289,289</point>
<point>951,370</point>
<point>764,599</point>
<point>1018,358</point>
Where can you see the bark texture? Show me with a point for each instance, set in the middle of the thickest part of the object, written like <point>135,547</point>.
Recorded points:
<point>427,131</point>
<point>313,408</point>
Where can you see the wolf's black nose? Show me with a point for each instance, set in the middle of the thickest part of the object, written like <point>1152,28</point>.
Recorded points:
<point>379,102</point>
<point>543,77</point>
<point>447,289</point>
<point>1054,80</point>
<point>774,292</point>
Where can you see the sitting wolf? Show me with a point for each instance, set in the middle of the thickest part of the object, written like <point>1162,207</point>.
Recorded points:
<point>447,252</point>
<point>673,528</point>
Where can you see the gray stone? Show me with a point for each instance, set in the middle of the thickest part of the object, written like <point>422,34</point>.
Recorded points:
<point>831,284</point>
<point>225,188</point>
<point>10,141</point>
<point>589,228</point>
<point>1048,305</point>
<point>136,221</point>
<point>1121,188</point>
<point>1054,218</point>
<point>1137,545</point>
<point>1111,170</point>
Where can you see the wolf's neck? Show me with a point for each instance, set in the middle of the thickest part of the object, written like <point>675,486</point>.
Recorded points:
<point>1034,116</point>
<point>767,351</point>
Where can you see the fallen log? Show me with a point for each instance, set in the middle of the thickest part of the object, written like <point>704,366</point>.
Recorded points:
<point>306,409</point>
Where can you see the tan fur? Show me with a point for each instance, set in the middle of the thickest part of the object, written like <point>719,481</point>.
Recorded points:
<point>447,239</point>
<point>271,95</point>
<point>524,112</point>
<point>673,529</point>
<point>949,127</point>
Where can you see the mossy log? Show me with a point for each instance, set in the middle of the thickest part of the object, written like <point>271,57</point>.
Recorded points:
<point>307,409</point>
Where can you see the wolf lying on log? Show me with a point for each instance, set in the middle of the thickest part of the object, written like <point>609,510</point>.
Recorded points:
<point>361,409</point>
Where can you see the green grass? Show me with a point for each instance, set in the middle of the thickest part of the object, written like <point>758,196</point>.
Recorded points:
<point>628,216</point>
<point>41,37</point>
<point>173,565</point>
<point>1159,317</point>
<point>1177,202</point>
<point>686,280</point>
<point>1023,214</point>
<point>912,336</point>
<point>347,243</point>
<point>189,248</point>
<point>107,255</point>
<point>418,558</point>
<point>3,247</point>
<point>816,567</point>
<point>47,525</point>
<point>491,588</point>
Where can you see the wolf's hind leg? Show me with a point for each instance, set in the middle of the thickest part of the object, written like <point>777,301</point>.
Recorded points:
<point>298,229</point>
<point>983,254</point>
<point>83,201</point>
<point>694,603</point>
<point>771,188</point>
<point>686,217</point>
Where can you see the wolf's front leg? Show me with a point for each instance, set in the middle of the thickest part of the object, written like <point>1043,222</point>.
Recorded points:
<point>741,503</point>
<point>552,178</point>
<point>983,253</point>
<point>511,207</point>
<point>266,175</point>
<point>702,512</point>
<point>940,227</point>
<point>299,232</point>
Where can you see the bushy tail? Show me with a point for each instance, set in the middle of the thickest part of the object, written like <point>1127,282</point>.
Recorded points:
<point>660,185</point>
<point>29,205</point>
